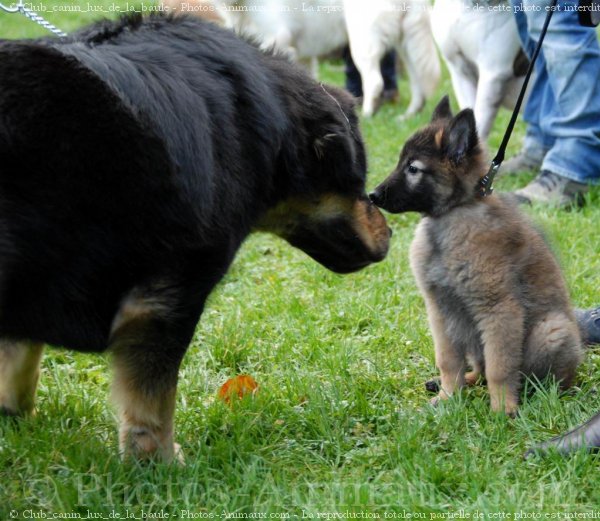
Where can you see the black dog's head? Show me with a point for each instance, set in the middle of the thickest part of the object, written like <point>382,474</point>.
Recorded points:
<point>439,166</point>
<point>341,232</point>
<point>327,212</point>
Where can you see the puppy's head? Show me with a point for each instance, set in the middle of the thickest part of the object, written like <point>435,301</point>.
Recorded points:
<point>439,166</point>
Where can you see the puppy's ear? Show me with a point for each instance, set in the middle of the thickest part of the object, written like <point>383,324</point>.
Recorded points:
<point>461,136</point>
<point>443,110</point>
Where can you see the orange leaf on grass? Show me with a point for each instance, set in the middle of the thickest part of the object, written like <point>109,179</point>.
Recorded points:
<point>241,385</point>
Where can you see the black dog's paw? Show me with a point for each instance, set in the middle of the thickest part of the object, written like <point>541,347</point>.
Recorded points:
<point>433,386</point>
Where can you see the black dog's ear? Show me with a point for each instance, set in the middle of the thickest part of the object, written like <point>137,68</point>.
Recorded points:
<point>461,136</point>
<point>320,144</point>
<point>443,110</point>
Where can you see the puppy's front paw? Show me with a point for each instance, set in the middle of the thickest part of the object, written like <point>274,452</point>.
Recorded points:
<point>439,398</point>
<point>435,401</point>
<point>178,455</point>
<point>510,407</point>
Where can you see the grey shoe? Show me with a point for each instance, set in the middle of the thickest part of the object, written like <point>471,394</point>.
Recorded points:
<point>550,188</point>
<point>589,325</point>
<point>585,436</point>
<point>526,160</point>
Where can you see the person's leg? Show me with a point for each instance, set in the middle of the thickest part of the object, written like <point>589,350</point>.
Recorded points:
<point>572,61</point>
<point>535,144</point>
<point>539,103</point>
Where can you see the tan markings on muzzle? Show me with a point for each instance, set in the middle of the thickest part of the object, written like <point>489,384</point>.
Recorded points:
<point>283,218</point>
<point>371,226</point>
<point>331,206</point>
<point>366,219</point>
<point>280,219</point>
<point>368,222</point>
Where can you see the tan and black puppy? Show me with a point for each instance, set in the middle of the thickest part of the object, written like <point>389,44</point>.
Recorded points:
<point>495,295</point>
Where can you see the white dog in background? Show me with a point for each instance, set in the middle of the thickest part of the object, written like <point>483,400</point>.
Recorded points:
<point>312,28</point>
<point>484,56</point>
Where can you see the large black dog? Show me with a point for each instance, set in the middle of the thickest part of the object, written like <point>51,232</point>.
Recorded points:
<point>135,158</point>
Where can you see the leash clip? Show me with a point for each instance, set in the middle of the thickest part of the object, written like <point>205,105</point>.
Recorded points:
<point>484,187</point>
<point>15,9</point>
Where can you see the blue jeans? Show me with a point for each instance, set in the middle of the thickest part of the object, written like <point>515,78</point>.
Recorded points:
<point>563,109</point>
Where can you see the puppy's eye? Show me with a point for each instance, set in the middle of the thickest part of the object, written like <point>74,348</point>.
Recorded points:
<point>416,167</point>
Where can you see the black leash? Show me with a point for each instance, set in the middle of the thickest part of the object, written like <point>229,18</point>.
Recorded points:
<point>484,187</point>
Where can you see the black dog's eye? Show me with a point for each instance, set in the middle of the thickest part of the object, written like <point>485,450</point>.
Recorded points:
<point>412,169</point>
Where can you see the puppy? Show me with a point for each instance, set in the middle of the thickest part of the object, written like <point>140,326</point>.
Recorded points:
<point>482,50</point>
<point>495,296</point>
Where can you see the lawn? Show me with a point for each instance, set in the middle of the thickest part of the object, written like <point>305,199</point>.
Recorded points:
<point>340,424</point>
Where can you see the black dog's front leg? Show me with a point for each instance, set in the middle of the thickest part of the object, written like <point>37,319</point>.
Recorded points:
<point>150,336</point>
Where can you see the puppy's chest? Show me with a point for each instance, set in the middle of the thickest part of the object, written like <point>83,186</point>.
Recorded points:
<point>441,259</point>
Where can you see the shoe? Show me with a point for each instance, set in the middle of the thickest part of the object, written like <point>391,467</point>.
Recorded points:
<point>586,436</point>
<point>554,189</point>
<point>525,161</point>
<point>589,325</point>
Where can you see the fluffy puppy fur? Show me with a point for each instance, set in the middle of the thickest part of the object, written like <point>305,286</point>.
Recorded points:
<point>495,296</point>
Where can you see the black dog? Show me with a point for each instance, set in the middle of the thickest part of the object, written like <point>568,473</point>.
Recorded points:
<point>135,158</point>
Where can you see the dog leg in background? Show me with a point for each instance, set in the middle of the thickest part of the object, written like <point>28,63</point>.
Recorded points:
<point>367,62</point>
<point>465,88</point>
<point>314,67</point>
<point>311,65</point>
<point>417,96</point>
<point>419,54</point>
<point>150,336</point>
<point>491,89</point>
<point>484,95</point>
<point>19,375</point>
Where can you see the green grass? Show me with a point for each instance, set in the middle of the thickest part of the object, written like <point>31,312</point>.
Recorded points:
<point>340,423</point>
